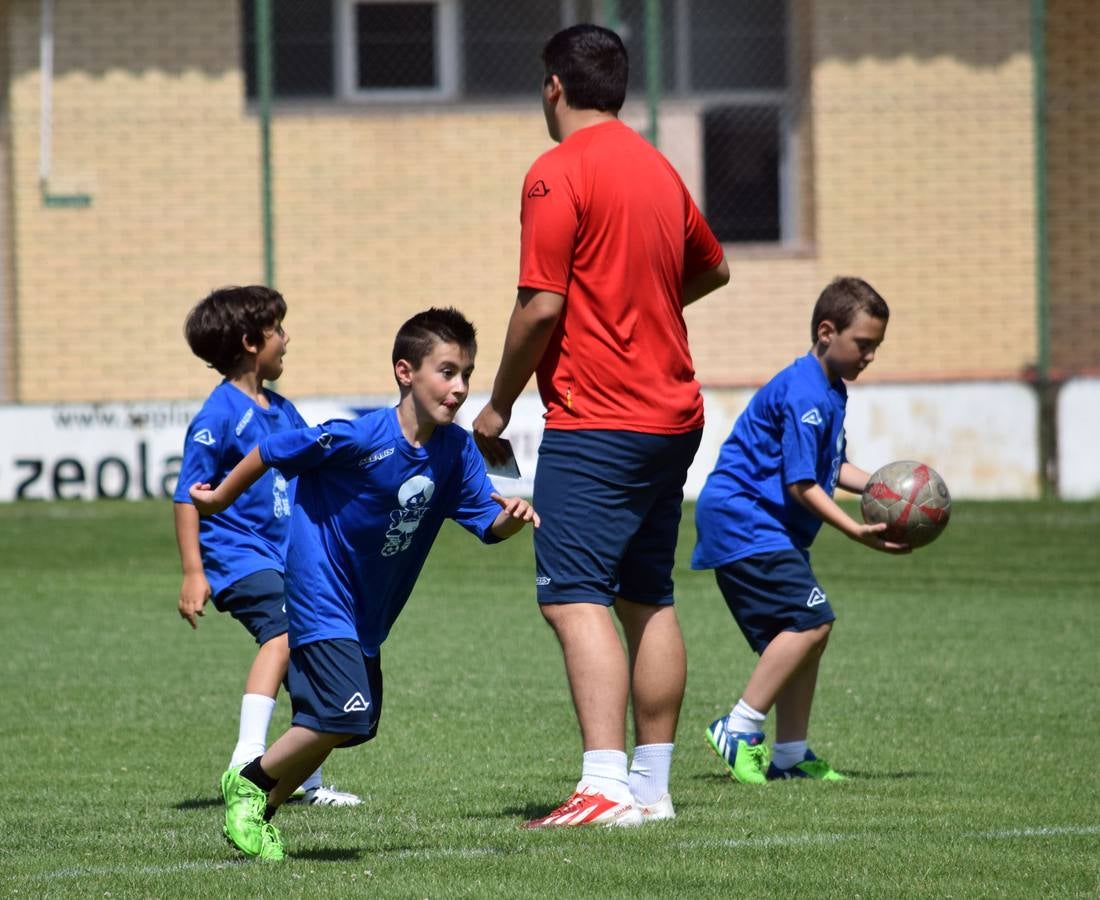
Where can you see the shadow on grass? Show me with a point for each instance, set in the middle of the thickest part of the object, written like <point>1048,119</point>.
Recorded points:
<point>851,775</point>
<point>329,854</point>
<point>528,811</point>
<point>198,803</point>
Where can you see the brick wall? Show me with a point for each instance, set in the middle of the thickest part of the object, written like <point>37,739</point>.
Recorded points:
<point>1073,182</point>
<point>919,123</point>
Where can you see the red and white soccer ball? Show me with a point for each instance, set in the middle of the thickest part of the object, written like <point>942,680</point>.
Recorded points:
<point>911,499</point>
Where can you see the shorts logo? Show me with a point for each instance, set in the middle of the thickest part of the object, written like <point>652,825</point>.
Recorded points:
<point>324,439</point>
<point>816,598</point>
<point>542,580</point>
<point>203,436</point>
<point>813,417</point>
<point>356,703</point>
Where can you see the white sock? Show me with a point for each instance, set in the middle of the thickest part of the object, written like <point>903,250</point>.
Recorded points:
<point>605,770</point>
<point>787,754</point>
<point>314,781</point>
<point>256,712</point>
<point>649,772</point>
<point>743,719</point>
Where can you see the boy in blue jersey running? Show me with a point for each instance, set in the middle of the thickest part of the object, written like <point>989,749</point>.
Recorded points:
<point>757,515</point>
<point>371,497</point>
<point>237,557</point>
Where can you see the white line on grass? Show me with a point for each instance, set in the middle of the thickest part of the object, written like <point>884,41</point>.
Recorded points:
<point>806,839</point>
<point>790,840</point>
<point>96,871</point>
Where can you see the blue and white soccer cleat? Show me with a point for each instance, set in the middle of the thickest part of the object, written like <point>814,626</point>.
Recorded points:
<point>745,754</point>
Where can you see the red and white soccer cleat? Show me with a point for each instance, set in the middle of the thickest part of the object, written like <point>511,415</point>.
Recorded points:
<point>659,811</point>
<point>589,807</point>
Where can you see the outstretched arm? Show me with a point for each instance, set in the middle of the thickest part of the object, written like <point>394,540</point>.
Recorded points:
<point>515,512</point>
<point>195,590</point>
<point>853,478</point>
<point>534,318</point>
<point>239,480</point>
<point>814,497</point>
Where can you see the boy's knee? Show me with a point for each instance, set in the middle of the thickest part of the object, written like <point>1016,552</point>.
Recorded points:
<point>821,636</point>
<point>279,643</point>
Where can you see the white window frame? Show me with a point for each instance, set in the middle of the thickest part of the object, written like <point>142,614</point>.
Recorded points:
<point>447,55</point>
<point>790,186</point>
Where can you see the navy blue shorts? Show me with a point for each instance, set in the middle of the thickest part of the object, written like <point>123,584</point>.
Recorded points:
<point>771,593</point>
<point>610,508</point>
<point>258,602</point>
<point>335,689</point>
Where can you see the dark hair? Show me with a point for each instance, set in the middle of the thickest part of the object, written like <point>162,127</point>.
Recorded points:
<point>842,299</point>
<point>418,336</point>
<point>215,326</point>
<point>592,64</point>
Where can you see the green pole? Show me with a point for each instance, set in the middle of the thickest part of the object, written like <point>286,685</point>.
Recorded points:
<point>1047,390</point>
<point>611,14</point>
<point>653,64</point>
<point>264,80</point>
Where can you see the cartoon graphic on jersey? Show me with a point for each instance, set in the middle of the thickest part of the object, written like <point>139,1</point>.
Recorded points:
<point>413,496</point>
<point>280,507</point>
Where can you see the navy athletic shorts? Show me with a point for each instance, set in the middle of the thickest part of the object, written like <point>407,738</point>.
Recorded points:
<point>610,508</point>
<point>771,593</point>
<point>258,602</point>
<point>334,688</point>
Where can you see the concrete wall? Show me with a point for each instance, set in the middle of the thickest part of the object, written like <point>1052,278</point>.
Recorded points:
<point>981,437</point>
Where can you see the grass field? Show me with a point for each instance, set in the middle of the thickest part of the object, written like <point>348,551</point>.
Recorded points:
<point>961,689</point>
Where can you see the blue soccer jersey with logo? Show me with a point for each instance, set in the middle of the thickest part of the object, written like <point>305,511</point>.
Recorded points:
<point>792,430</point>
<point>252,534</point>
<point>367,508</point>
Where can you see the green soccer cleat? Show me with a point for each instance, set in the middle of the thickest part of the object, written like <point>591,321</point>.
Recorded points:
<point>245,804</point>
<point>810,767</point>
<point>745,755</point>
<point>272,848</point>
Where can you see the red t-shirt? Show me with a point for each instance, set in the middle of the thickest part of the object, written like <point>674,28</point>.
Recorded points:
<point>608,224</point>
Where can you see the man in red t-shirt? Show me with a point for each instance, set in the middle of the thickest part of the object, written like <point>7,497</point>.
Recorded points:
<point>612,249</point>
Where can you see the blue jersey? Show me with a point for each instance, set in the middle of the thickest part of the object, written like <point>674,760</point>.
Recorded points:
<point>792,430</point>
<point>252,534</point>
<point>367,508</point>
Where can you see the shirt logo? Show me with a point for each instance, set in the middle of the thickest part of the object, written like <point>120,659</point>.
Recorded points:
<point>813,417</point>
<point>538,189</point>
<point>280,505</point>
<point>324,439</point>
<point>356,703</point>
<point>376,457</point>
<point>243,424</point>
<point>413,496</point>
<point>203,436</point>
<point>816,598</point>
